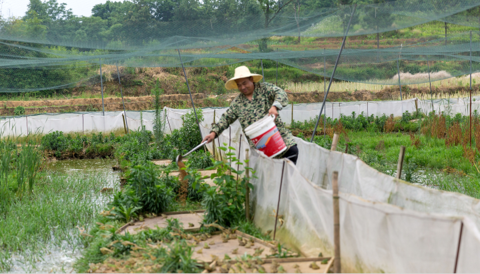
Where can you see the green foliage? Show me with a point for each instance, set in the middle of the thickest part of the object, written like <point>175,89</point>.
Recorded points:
<point>19,111</point>
<point>154,196</point>
<point>79,146</point>
<point>224,202</point>
<point>200,160</point>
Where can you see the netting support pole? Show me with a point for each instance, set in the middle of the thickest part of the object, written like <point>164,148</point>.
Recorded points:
<point>333,72</point>
<point>325,123</point>
<point>121,93</point>
<point>458,247</point>
<point>189,91</point>
<point>101,85</point>
<point>336,224</point>
<point>445,33</point>
<point>168,121</point>
<point>398,72</point>
<point>278,203</point>
<point>263,75</point>
<point>276,75</point>
<point>247,188</point>
<point>213,143</point>
<point>470,88</point>
<point>430,82</point>
<point>324,71</point>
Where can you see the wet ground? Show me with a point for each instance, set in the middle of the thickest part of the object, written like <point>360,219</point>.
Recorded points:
<point>61,258</point>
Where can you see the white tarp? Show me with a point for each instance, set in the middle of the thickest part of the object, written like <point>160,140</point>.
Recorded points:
<point>376,236</point>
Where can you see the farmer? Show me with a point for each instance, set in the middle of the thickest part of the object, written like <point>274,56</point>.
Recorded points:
<point>254,102</point>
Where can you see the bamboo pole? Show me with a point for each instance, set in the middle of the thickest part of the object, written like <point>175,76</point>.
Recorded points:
<point>335,142</point>
<point>336,223</point>
<point>400,162</point>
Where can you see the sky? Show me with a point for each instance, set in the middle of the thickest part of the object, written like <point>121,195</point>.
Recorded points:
<point>19,7</point>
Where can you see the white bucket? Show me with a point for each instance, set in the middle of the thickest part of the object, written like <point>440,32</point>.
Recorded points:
<point>266,137</point>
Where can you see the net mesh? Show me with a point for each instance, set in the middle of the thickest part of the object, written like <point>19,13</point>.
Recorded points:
<point>38,54</point>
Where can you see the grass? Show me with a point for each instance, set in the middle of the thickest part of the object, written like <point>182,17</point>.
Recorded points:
<point>50,216</point>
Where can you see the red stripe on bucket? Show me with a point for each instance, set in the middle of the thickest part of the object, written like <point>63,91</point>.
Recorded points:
<point>270,142</point>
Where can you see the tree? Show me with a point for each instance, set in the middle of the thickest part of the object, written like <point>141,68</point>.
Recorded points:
<point>270,8</point>
<point>296,8</point>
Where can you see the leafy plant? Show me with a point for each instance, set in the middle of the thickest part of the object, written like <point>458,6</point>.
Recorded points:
<point>19,111</point>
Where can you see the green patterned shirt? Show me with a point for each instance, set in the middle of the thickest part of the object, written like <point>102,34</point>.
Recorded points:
<point>248,112</point>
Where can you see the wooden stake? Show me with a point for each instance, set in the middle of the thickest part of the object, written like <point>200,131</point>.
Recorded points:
<point>346,148</point>
<point>336,224</point>
<point>335,142</point>
<point>247,189</point>
<point>400,162</point>
<point>291,123</point>
<point>124,126</point>
<point>416,104</point>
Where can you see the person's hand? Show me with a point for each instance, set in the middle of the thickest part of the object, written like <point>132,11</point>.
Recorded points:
<point>210,137</point>
<point>273,111</point>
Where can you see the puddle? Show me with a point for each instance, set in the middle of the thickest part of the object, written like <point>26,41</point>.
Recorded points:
<point>61,258</point>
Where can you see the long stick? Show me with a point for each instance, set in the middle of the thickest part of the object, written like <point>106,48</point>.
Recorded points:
<point>333,73</point>
<point>470,88</point>
<point>398,71</point>
<point>188,86</point>
<point>121,93</point>
<point>336,224</point>
<point>101,85</point>
<point>278,204</point>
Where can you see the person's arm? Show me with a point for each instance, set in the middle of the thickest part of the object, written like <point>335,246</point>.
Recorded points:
<point>226,120</point>
<point>279,97</point>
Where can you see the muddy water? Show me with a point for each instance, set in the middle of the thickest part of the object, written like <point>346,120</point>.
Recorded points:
<point>61,258</point>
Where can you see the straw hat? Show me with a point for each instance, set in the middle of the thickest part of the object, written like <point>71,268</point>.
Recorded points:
<point>242,72</point>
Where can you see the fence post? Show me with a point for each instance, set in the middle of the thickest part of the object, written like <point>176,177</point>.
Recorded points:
<point>291,123</point>
<point>336,223</point>
<point>238,159</point>
<point>400,161</point>
<point>124,126</point>
<point>334,142</point>
<point>278,204</point>
<point>26,121</point>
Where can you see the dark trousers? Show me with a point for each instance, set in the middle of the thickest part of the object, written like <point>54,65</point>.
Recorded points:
<point>292,154</point>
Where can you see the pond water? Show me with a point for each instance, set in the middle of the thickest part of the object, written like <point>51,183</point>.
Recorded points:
<point>61,258</point>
